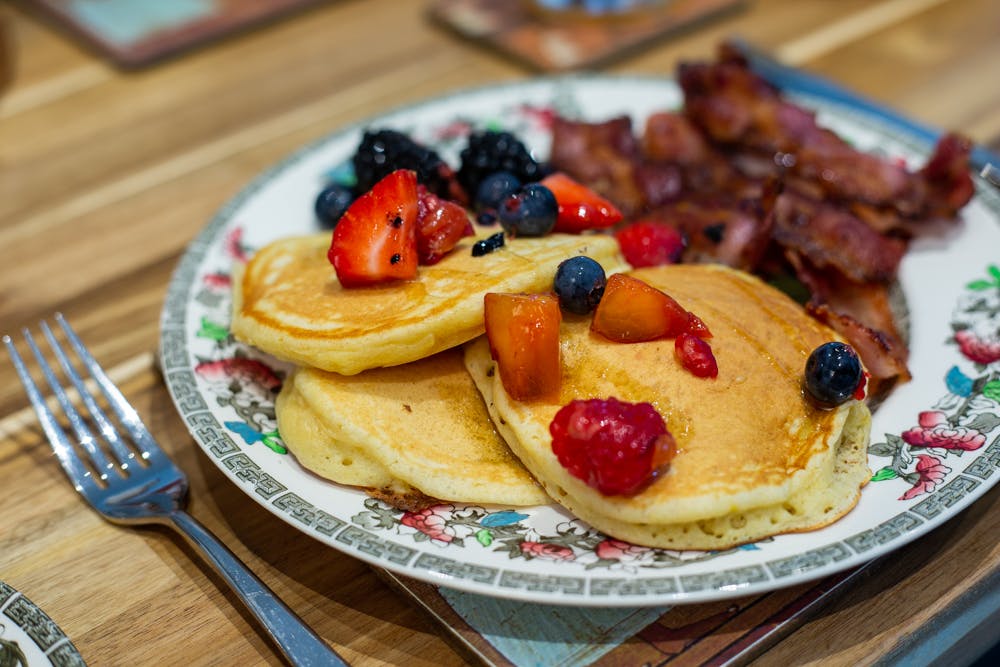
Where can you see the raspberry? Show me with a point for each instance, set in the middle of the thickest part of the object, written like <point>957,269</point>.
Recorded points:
<point>650,243</point>
<point>615,447</point>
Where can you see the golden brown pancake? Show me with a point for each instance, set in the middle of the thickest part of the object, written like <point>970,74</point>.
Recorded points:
<point>407,433</point>
<point>755,457</point>
<point>287,301</point>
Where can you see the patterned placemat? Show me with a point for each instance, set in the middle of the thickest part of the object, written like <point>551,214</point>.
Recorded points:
<point>560,41</point>
<point>134,33</point>
<point>510,633</point>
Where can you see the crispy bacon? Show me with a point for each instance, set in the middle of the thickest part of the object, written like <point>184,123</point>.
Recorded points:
<point>735,107</point>
<point>602,155</point>
<point>830,236</point>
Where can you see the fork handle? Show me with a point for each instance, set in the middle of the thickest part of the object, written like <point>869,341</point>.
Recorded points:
<point>300,645</point>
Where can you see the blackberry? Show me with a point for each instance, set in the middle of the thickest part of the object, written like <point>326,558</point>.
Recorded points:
<point>487,245</point>
<point>384,151</point>
<point>489,152</point>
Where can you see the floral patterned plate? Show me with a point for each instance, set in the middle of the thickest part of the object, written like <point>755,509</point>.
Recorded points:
<point>935,445</point>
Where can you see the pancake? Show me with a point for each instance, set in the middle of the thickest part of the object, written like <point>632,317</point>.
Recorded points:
<point>288,302</point>
<point>755,457</point>
<point>409,434</point>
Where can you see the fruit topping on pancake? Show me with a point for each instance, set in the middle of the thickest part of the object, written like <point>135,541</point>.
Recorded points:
<point>742,456</point>
<point>288,302</point>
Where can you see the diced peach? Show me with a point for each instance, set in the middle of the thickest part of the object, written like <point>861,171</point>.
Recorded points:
<point>632,311</point>
<point>523,332</point>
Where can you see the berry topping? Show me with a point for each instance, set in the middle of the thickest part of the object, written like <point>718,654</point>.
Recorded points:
<point>696,355</point>
<point>376,238</point>
<point>523,332</point>
<point>615,447</point>
<point>833,374</point>
<point>487,245</point>
<point>331,203</point>
<point>493,190</point>
<point>632,311</point>
<point>489,152</point>
<point>383,151</point>
<point>441,224</point>
<point>531,211</point>
<point>650,243</point>
<point>579,284</point>
<point>580,208</point>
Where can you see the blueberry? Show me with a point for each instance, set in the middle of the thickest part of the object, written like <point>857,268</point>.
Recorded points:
<point>833,373</point>
<point>531,211</point>
<point>331,203</point>
<point>579,284</point>
<point>494,189</point>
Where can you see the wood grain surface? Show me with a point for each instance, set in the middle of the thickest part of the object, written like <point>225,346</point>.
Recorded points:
<point>106,176</point>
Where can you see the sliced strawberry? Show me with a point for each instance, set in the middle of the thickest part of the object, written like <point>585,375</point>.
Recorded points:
<point>441,224</point>
<point>632,311</point>
<point>376,238</point>
<point>523,332</point>
<point>696,355</point>
<point>580,208</point>
<point>650,243</point>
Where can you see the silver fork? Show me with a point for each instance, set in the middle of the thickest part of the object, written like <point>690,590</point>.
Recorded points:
<point>141,484</point>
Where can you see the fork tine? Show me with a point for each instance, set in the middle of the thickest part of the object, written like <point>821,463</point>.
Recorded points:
<point>126,414</point>
<point>81,477</point>
<point>121,451</point>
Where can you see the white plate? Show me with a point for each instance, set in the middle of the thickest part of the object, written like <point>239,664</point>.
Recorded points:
<point>223,389</point>
<point>29,638</point>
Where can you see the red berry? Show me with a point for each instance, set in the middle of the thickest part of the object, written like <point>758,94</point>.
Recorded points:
<point>650,243</point>
<point>375,240</point>
<point>441,224</point>
<point>615,447</point>
<point>580,208</point>
<point>696,355</point>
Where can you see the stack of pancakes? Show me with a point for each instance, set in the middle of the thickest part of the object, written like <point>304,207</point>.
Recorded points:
<point>385,393</point>
<point>380,398</point>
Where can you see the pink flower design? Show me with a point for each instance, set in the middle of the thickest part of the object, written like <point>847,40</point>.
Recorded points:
<point>546,551</point>
<point>234,245</point>
<point>242,369</point>
<point>217,281</point>
<point>456,129</point>
<point>542,117</point>
<point>621,551</point>
<point>979,350</point>
<point>931,471</point>
<point>431,521</point>
<point>935,431</point>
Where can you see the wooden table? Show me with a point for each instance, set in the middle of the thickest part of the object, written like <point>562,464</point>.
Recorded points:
<point>106,175</point>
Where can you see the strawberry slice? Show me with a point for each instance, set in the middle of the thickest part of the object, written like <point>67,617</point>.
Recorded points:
<point>580,208</point>
<point>632,311</point>
<point>523,332</point>
<point>650,243</point>
<point>376,238</point>
<point>441,224</point>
